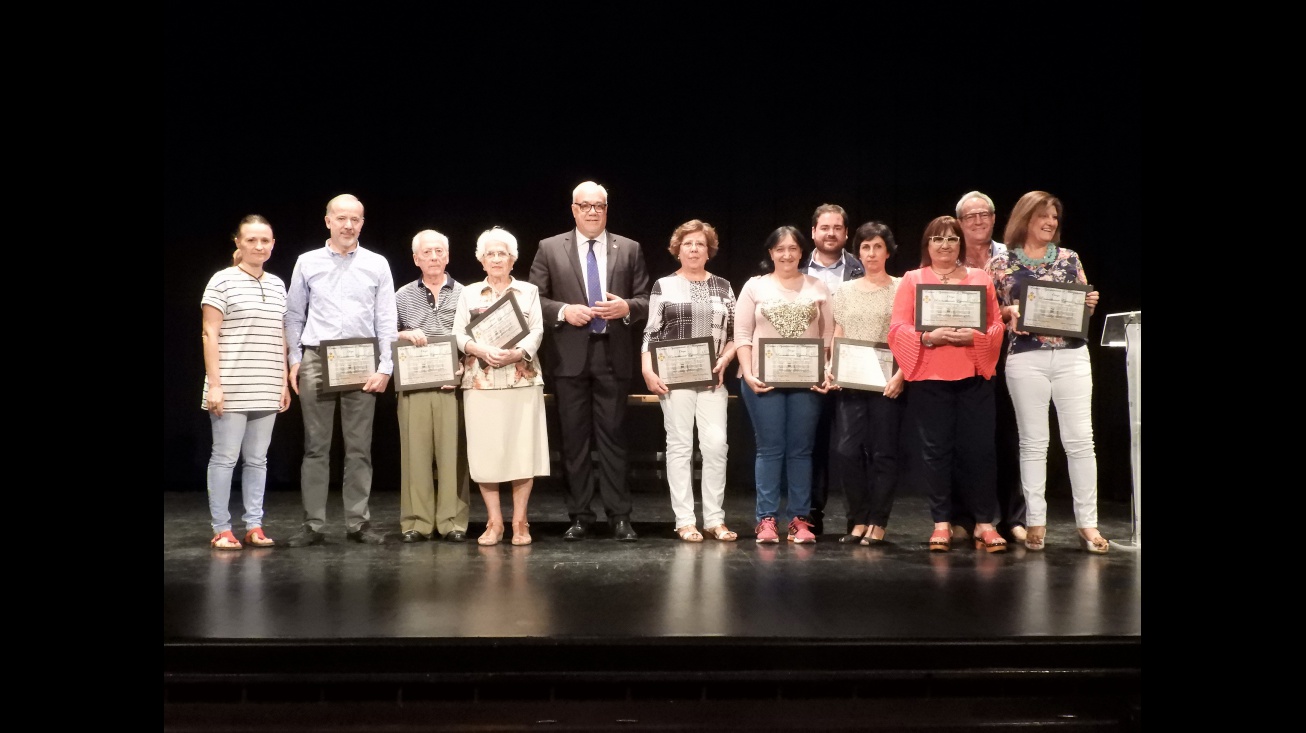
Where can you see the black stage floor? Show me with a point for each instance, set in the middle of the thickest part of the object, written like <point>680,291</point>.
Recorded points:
<point>653,635</point>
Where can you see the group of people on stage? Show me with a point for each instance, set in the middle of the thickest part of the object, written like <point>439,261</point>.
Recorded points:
<point>590,313</point>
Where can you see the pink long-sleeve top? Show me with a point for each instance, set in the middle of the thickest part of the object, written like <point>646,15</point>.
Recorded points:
<point>943,363</point>
<point>765,309</point>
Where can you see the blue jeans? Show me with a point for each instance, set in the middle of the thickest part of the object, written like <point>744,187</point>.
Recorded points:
<point>245,435</point>
<point>784,429</point>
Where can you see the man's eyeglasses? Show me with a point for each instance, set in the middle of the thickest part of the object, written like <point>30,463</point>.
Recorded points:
<point>977,216</point>
<point>585,206</point>
<point>941,240</point>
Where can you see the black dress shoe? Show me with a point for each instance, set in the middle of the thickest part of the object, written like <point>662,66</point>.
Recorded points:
<point>413,535</point>
<point>576,531</point>
<point>623,532</point>
<point>456,535</point>
<point>851,538</point>
<point>366,535</point>
<point>304,538</point>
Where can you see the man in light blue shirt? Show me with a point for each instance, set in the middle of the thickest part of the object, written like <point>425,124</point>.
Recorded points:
<point>338,291</point>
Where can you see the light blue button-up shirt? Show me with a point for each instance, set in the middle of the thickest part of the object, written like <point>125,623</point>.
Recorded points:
<point>339,296</point>
<point>832,276</point>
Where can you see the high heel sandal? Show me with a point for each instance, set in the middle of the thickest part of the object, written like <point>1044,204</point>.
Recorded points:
<point>941,540</point>
<point>990,541</point>
<point>852,538</point>
<point>521,533</point>
<point>869,538</point>
<point>1034,537</point>
<point>493,533</point>
<point>1099,545</point>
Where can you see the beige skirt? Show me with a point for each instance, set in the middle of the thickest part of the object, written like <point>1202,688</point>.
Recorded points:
<point>507,435</point>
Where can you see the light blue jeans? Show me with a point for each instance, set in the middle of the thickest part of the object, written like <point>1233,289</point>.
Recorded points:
<point>245,435</point>
<point>784,429</point>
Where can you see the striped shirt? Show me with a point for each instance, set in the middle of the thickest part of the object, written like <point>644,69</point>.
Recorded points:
<point>679,309</point>
<point>340,296</point>
<point>251,350</point>
<point>418,307</point>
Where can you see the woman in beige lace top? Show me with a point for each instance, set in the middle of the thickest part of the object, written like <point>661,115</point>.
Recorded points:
<point>866,423</point>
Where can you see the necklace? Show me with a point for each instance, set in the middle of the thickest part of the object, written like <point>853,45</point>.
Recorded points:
<point>1030,262</point>
<point>944,277</point>
<point>258,280</point>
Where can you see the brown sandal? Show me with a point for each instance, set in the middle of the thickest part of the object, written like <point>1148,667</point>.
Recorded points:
<point>941,540</point>
<point>990,541</point>
<point>689,533</point>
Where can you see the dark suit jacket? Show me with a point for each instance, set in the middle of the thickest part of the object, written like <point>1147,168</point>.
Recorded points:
<point>852,267</point>
<point>556,271</point>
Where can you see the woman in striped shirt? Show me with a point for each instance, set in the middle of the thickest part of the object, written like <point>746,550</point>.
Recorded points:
<point>693,303</point>
<point>245,385</point>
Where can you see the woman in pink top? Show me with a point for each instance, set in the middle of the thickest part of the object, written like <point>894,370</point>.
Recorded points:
<point>949,374</point>
<point>783,303</point>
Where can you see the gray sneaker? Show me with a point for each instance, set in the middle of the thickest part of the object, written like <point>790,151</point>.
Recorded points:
<point>305,537</point>
<point>366,535</point>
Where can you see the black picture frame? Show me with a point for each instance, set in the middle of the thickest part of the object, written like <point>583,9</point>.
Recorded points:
<point>812,348</point>
<point>924,294</point>
<point>1040,288</point>
<point>403,351</point>
<point>658,348</point>
<point>347,380</point>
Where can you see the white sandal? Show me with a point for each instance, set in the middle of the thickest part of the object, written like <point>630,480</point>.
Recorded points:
<point>722,532</point>
<point>689,533</point>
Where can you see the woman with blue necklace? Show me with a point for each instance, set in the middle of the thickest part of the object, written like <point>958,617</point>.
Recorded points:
<point>1043,369</point>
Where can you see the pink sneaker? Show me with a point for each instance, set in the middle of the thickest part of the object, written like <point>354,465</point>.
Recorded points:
<point>766,531</point>
<point>800,531</point>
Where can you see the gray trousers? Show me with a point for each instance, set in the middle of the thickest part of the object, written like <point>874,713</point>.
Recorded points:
<point>319,409</point>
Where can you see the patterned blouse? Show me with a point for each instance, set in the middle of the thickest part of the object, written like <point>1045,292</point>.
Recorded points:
<point>475,299</point>
<point>679,308</point>
<point>865,315</point>
<point>768,310</point>
<point>1012,269</point>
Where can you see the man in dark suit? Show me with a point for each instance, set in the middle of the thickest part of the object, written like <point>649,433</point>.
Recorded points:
<point>833,265</point>
<point>594,291</point>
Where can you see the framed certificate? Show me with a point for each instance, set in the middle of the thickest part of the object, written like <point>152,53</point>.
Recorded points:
<point>955,306</point>
<point>858,364</point>
<point>347,363</point>
<point>501,325</point>
<point>791,362</point>
<point>1054,309</point>
<point>425,367</point>
<point>682,363</point>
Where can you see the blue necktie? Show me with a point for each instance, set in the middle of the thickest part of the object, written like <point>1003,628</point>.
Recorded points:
<point>596,324</point>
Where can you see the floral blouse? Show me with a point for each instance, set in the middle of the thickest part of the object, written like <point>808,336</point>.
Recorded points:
<point>1010,272</point>
<point>475,299</point>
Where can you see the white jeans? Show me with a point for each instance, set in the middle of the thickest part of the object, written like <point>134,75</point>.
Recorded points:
<point>681,410</point>
<point>1065,377</point>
